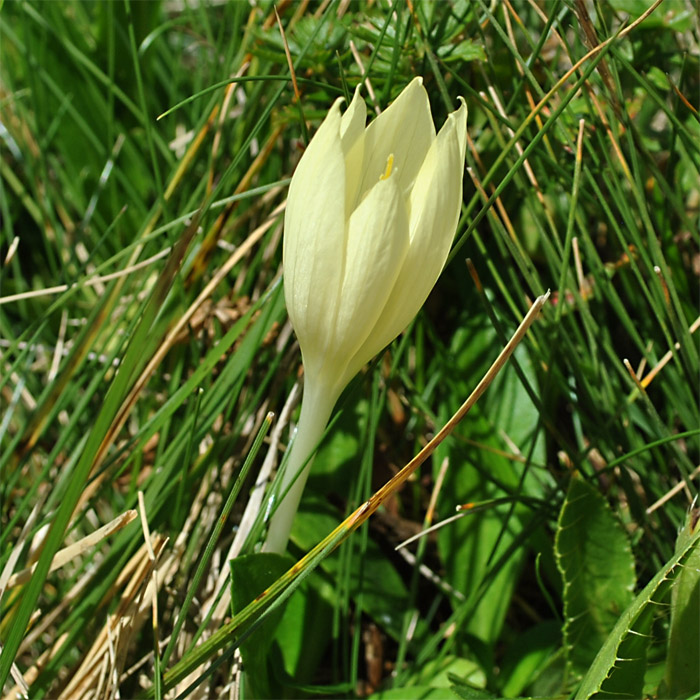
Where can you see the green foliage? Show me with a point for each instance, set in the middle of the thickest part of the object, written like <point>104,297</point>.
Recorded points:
<point>618,667</point>
<point>251,574</point>
<point>597,567</point>
<point>384,593</point>
<point>528,654</point>
<point>479,550</point>
<point>682,675</point>
<point>145,152</point>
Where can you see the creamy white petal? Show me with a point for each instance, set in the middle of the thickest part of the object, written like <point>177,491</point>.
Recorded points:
<point>437,194</point>
<point>314,238</point>
<point>405,129</point>
<point>352,136</point>
<point>435,203</point>
<point>377,243</point>
<point>352,123</point>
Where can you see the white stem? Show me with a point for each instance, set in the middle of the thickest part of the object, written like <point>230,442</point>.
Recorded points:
<point>316,407</point>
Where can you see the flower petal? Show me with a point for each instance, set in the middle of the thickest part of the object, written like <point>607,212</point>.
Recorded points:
<point>435,203</point>
<point>352,123</point>
<point>377,243</point>
<point>405,129</point>
<point>314,238</point>
<point>352,136</point>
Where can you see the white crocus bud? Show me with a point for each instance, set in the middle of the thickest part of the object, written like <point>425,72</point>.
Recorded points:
<point>370,219</point>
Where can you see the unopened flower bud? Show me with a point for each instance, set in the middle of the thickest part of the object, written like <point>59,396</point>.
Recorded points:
<point>370,219</point>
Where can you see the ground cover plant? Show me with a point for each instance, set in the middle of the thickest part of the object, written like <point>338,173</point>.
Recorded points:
<point>150,379</point>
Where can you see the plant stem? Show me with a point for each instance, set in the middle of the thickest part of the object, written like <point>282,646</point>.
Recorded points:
<point>316,407</point>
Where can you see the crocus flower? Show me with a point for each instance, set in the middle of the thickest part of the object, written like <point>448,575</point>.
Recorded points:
<point>371,214</point>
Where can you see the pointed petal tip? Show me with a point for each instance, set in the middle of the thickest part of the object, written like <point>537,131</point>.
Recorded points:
<point>415,84</point>
<point>456,122</point>
<point>462,109</point>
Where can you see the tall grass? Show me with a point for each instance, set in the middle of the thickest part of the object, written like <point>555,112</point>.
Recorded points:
<point>149,377</point>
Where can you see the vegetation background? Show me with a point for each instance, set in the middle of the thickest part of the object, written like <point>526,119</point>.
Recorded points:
<point>149,377</point>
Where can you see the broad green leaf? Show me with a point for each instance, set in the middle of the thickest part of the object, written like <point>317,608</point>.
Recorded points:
<point>465,51</point>
<point>470,546</point>
<point>683,664</point>
<point>597,566</point>
<point>677,16</point>
<point>551,677</point>
<point>416,692</point>
<point>615,671</point>
<point>526,656</point>
<point>251,574</point>
<point>467,693</point>
<point>301,639</point>
<point>384,593</point>
<point>448,671</point>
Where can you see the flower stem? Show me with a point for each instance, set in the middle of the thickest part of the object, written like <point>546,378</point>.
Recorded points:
<point>316,407</point>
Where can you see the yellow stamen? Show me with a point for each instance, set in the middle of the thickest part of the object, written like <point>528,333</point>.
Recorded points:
<point>389,166</point>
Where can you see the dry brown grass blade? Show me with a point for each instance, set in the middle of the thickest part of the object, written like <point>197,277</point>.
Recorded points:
<point>113,641</point>
<point>499,211</point>
<point>131,572</point>
<point>536,109</point>
<point>364,511</point>
<point>593,44</point>
<point>24,682</point>
<point>290,63</point>
<point>615,37</point>
<point>47,620</point>
<point>90,282</point>
<point>202,513</point>
<point>507,13</point>
<point>505,217</point>
<point>68,553</point>
<point>644,383</point>
<point>200,263</point>
<point>591,40</point>
<point>682,97</point>
<point>680,486</point>
<point>17,550</point>
<point>37,422</point>
<point>216,141</point>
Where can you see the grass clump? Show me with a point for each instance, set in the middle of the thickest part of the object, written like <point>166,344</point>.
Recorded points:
<point>149,376</point>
